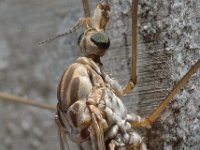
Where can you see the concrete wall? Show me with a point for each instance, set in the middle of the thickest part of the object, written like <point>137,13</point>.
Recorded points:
<point>168,45</point>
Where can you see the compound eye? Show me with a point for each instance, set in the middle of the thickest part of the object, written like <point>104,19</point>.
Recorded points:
<point>101,40</point>
<point>80,38</point>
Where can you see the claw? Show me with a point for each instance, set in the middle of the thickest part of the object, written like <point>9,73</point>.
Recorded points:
<point>129,87</point>
<point>112,145</point>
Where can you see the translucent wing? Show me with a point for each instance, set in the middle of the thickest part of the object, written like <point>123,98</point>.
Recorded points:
<point>62,135</point>
<point>96,129</point>
<point>99,134</point>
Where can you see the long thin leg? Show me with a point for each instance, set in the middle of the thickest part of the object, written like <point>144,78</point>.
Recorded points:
<point>133,79</point>
<point>152,117</point>
<point>134,41</point>
<point>86,8</point>
<point>17,99</point>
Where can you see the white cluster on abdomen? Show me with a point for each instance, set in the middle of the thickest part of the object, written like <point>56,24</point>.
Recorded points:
<point>119,128</point>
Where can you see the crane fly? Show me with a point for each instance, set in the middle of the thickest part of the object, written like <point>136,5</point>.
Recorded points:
<point>88,99</point>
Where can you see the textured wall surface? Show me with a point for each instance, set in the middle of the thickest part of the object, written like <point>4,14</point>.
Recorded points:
<point>168,45</point>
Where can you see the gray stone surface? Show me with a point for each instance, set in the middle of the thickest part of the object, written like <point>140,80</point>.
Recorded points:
<point>168,44</point>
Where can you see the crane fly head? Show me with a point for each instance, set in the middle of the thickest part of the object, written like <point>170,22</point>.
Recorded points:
<point>94,42</point>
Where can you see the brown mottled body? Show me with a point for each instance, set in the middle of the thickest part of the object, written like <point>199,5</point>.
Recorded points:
<point>77,82</point>
<point>84,92</point>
